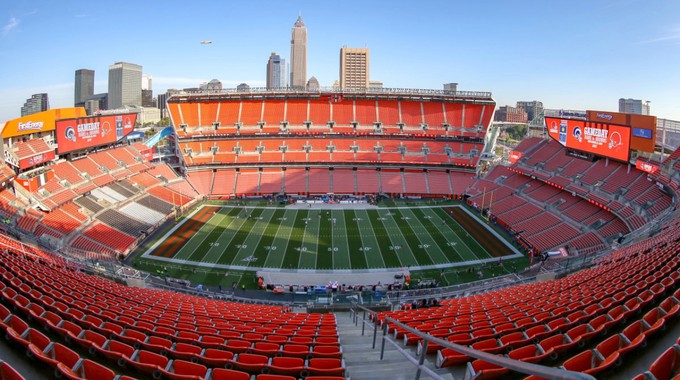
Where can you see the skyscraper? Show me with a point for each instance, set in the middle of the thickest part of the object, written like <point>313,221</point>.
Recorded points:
<point>277,72</point>
<point>354,67</point>
<point>298,54</point>
<point>36,103</point>
<point>125,85</point>
<point>636,106</point>
<point>147,91</point>
<point>84,86</point>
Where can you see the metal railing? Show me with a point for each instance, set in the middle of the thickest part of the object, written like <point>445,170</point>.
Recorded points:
<point>418,362</point>
<point>330,90</point>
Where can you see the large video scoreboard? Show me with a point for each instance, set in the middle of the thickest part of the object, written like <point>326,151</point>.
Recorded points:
<point>608,134</point>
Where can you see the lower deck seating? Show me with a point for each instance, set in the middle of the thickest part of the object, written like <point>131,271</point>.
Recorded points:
<point>84,326</point>
<point>587,321</point>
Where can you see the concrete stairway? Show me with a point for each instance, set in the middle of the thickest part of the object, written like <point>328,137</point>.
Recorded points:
<point>363,362</point>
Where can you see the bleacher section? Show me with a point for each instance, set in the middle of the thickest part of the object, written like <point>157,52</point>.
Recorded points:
<point>122,330</point>
<point>527,207</point>
<point>588,321</point>
<point>348,115</point>
<point>85,192</point>
<point>609,184</point>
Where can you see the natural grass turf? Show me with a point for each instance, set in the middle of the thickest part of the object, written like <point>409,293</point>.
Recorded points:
<point>330,239</point>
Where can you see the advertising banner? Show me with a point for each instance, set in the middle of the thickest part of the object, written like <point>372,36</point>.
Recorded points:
<point>643,132</point>
<point>598,138</point>
<point>647,167</point>
<point>32,161</point>
<point>608,117</point>
<point>514,156</point>
<point>88,132</point>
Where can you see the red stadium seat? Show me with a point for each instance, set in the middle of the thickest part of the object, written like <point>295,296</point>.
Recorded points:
<point>132,337</point>
<point>447,357</point>
<point>481,370</point>
<point>148,363</point>
<point>531,353</point>
<point>265,348</point>
<point>635,334</point>
<point>116,351</point>
<point>185,351</point>
<point>325,367</point>
<point>514,340</point>
<point>229,374</point>
<point>184,370</point>
<point>322,351</point>
<point>297,350</point>
<point>86,369</point>
<point>274,377</point>
<point>216,358</point>
<point>88,340</point>
<point>289,366</point>
<point>667,366</point>
<point>9,373</point>
<point>591,362</point>
<point>156,344</point>
<point>250,363</point>
<point>237,346</point>
<point>56,354</point>
<point>210,341</point>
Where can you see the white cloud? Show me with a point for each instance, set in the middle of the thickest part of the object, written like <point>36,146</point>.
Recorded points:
<point>673,35</point>
<point>12,24</point>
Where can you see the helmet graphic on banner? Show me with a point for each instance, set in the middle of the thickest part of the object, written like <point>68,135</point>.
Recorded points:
<point>70,134</point>
<point>615,140</point>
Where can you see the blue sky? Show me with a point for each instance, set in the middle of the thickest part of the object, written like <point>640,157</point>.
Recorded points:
<point>579,54</point>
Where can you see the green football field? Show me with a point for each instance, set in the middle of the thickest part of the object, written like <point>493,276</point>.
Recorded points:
<point>239,238</point>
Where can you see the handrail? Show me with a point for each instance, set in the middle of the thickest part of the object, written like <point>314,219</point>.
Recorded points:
<point>515,365</point>
<point>364,321</point>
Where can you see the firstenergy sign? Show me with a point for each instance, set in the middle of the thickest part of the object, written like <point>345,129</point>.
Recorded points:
<point>39,122</point>
<point>30,126</point>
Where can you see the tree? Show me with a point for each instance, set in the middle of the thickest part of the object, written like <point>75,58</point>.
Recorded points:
<point>516,132</point>
<point>164,122</point>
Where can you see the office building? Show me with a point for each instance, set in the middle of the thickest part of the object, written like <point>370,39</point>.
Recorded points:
<point>147,91</point>
<point>84,86</point>
<point>162,98</point>
<point>313,84</point>
<point>636,106</point>
<point>375,84</point>
<point>533,108</point>
<point>354,68</point>
<point>450,87</point>
<point>148,99</point>
<point>510,114</point>
<point>277,72</point>
<point>96,103</point>
<point>298,54</point>
<point>125,85</point>
<point>36,103</point>
<point>213,86</point>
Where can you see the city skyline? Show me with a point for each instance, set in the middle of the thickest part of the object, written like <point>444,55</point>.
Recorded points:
<point>601,52</point>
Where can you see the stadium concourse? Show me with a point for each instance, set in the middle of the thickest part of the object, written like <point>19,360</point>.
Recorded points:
<point>613,316</point>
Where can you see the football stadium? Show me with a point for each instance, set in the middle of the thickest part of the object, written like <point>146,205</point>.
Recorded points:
<point>333,234</point>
